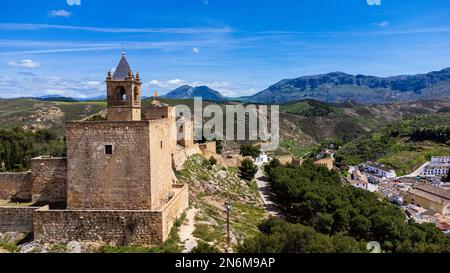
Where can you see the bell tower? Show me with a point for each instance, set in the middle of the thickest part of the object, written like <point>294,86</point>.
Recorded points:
<point>123,93</point>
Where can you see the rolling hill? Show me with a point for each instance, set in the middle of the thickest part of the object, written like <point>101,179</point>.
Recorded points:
<point>305,123</point>
<point>340,87</point>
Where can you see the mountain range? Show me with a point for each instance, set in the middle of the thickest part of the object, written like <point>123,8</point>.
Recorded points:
<point>333,87</point>
<point>339,87</point>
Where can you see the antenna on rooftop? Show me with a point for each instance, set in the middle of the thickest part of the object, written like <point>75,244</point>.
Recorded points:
<point>123,49</point>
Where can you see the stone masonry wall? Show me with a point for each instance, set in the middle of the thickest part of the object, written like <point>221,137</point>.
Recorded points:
<point>49,180</point>
<point>15,186</point>
<point>175,208</point>
<point>160,162</point>
<point>16,219</point>
<point>107,227</point>
<point>117,227</point>
<point>117,181</point>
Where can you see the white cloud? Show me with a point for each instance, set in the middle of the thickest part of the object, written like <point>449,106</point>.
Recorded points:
<point>73,2</point>
<point>374,2</point>
<point>12,86</point>
<point>382,24</point>
<point>176,82</point>
<point>59,13</point>
<point>25,64</point>
<point>55,92</point>
<point>181,30</point>
<point>196,50</point>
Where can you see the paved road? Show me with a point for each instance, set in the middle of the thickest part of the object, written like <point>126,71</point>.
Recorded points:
<point>265,193</point>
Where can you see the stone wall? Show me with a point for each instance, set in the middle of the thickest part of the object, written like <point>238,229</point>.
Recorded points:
<point>49,180</point>
<point>208,148</point>
<point>15,186</point>
<point>97,180</point>
<point>181,155</point>
<point>175,208</point>
<point>106,227</point>
<point>117,227</point>
<point>185,135</point>
<point>160,162</point>
<point>16,219</point>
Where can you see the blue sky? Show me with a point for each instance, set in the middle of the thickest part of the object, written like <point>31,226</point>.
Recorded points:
<point>238,47</point>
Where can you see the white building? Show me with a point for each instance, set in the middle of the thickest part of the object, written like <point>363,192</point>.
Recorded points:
<point>436,169</point>
<point>439,166</point>
<point>263,159</point>
<point>357,179</point>
<point>379,170</point>
<point>440,160</point>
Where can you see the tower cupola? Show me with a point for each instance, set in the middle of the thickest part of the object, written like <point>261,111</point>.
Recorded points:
<point>123,93</point>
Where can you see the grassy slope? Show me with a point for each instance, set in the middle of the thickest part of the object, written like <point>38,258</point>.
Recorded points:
<point>210,186</point>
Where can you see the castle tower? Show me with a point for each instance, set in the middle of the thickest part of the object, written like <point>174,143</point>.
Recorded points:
<point>123,93</point>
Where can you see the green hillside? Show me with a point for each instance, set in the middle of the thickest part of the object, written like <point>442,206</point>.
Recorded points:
<point>402,145</point>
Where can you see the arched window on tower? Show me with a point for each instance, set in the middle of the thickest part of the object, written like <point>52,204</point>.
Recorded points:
<point>121,94</point>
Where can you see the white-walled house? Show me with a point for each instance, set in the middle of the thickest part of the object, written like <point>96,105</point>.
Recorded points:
<point>436,169</point>
<point>379,170</point>
<point>439,166</point>
<point>357,179</point>
<point>263,159</point>
<point>440,160</point>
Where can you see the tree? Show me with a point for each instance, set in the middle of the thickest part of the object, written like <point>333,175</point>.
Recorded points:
<point>447,179</point>
<point>219,146</point>
<point>248,170</point>
<point>249,150</point>
<point>279,236</point>
<point>18,147</point>
<point>313,196</point>
<point>212,160</point>
<point>203,247</point>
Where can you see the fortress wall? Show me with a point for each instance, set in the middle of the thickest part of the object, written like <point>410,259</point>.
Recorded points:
<point>16,219</point>
<point>106,227</point>
<point>121,180</point>
<point>181,155</point>
<point>160,162</point>
<point>49,180</point>
<point>118,227</point>
<point>208,148</point>
<point>175,208</point>
<point>15,186</point>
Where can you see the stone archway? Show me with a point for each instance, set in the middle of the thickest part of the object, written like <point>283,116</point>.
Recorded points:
<point>121,94</point>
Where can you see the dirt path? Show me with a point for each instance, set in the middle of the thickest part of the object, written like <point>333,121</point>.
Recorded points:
<point>187,229</point>
<point>265,193</point>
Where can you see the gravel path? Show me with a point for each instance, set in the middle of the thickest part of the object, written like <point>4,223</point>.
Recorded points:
<point>186,231</point>
<point>265,193</point>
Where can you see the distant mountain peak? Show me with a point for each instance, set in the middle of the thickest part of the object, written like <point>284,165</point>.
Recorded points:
<point>189,92</point>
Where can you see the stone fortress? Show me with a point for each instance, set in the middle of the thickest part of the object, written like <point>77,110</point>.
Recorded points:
<point>117,185</point>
